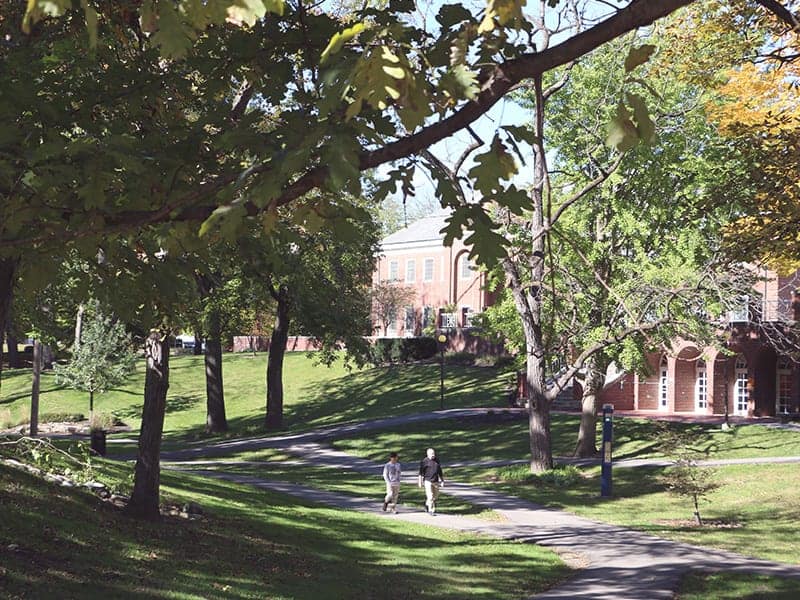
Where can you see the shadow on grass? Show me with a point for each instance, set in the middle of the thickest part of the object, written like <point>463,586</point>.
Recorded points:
<point>250,544</point>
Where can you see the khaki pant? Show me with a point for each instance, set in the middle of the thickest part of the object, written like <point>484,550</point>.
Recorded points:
<point>431,494</point>
<point>392,493</point>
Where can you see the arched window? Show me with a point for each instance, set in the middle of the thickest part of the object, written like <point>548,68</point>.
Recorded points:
<point>741,394</point>
<point>701,386</point>
<point>662,385</point>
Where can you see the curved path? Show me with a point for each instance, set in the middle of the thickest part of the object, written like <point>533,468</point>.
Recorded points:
<point>616,563</point>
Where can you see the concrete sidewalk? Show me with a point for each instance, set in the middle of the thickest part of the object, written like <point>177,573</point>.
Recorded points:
<point>616,563</point>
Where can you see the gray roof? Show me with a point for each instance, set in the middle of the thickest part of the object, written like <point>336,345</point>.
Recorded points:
<point>423,230</point>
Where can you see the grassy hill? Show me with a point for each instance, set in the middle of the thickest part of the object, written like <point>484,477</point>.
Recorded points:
<point>315,395</point>
<point>249,543</point>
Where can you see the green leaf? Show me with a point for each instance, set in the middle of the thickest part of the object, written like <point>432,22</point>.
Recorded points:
<point>450,14</point>
<point>38,9</point>
<point>638,56</point>
<point>225,218</point>
<point>338,40</point>
<point>644,124</point>
<point>492,166</point>
<point>622,133</point>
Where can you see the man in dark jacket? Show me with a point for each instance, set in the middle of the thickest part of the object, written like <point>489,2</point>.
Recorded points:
<point>430,472</point>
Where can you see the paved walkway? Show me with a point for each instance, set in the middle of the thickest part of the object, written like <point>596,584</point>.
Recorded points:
<point>616,563</point>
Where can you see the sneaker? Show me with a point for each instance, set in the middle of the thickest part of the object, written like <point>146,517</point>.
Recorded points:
<point>385,504</point>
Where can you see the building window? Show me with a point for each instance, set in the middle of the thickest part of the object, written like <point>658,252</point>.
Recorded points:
<point>410,321</point>
<point>783,388</point>
<point>466,268</point>
<point>391,329</point>
<point>411,270</point>
<point>701,386</point>
<point>662,385</point>
<point>394,270</point>
<point>741,395</point>
<point>428,316</point>
<point>427,270</point>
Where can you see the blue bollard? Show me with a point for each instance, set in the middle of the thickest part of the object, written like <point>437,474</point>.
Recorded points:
<point>605,457</point>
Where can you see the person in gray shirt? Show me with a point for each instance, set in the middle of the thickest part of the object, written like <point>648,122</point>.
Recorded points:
<point>391,475</point>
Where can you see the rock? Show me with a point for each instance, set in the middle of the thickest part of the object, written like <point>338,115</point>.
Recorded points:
<point>95,485</point>
<point>67,483</point>
<point>12,547</point>
<point>192,508</point>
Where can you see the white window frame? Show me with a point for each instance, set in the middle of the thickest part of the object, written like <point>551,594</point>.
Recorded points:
<point>411,270</point>
<point>701,386</point>
<point>663,385</point>
<point>428,267</point>
<point>465,268</point>
<point>741,393</point>
<point>783,394</point>
<point>394,270</point>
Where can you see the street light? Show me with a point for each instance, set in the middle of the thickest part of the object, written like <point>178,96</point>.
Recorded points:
<point>442,339</point>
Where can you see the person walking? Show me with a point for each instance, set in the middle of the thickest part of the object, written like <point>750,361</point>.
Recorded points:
<point>391,475</point>
<point>430,472</point>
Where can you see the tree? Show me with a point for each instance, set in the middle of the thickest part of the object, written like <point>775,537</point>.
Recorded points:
<point>103,357</point>
<point>388,299</point>
<point>686,478</point>
<point>104,138</point>
<point>318,277</point>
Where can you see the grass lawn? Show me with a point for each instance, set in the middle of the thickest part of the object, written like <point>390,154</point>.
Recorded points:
<point>250,543</point>
<point>731,586</point>
<point>314,395</point>
<point>505,437</point>
<point>755,510</point>
<point>361,485</point>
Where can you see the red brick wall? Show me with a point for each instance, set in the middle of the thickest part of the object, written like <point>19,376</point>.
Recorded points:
<point>619,393</point>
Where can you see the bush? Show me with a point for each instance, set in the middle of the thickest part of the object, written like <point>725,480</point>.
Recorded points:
<point>561,476</point>
<point>102,421</point>
<point>402,350</point>
<point>56,417</point>
<point>6,420</point>
<point>460,358</point>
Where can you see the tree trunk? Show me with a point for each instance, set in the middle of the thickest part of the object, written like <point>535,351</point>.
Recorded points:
<point>14,359</point>
<point>47,357</point>
<point>538,417</point>
<point>144,499</point>
<point>8,271</point>
<point>277,350</point>
<point>215,397</point>
<point>37,376</point>
<point>593,385</point>
<point>198,345</point>
<point>79,325</point>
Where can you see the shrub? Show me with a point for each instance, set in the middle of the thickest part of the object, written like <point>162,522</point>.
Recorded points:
<point>56,417</point>
<point>561,476</point>
<point>6,420</point>
<point>402,350</point>
<point>102,421</point>
<point>460,358</point>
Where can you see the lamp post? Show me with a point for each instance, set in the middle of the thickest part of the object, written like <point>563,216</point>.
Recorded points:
<point>442,339</point>
<point>605,456</point>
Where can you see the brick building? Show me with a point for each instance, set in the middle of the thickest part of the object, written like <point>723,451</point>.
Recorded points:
<point>449,290</point>
<point>755,380</point>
